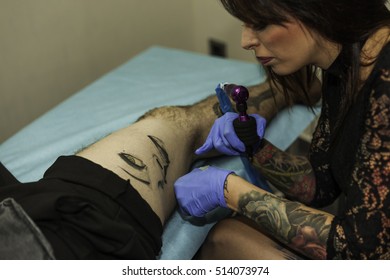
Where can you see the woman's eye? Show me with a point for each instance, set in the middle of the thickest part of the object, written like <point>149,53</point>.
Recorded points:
<point>255,27</point>
<point>259,27</point>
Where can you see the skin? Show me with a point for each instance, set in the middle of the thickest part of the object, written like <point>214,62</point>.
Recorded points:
<point>153,152</point>
<point>301,228</point>
<point>292,46</point>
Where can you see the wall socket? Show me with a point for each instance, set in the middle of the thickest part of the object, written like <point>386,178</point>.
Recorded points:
<point>217,48</point>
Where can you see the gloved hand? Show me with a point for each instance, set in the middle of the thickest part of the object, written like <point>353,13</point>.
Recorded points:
<point>201,190</point>
<point>224,139</point>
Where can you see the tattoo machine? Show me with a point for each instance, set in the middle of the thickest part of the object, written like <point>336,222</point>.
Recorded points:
<point>245,125</point>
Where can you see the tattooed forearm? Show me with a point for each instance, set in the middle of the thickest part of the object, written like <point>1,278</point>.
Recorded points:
<point>292,175</point>
<point>299,228</point>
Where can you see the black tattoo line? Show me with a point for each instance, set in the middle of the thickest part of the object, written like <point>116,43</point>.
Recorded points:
<point>286,220</point>
<point>140,170</point>
<point>162,159</point>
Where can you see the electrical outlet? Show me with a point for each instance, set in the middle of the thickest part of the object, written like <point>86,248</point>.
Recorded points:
<point>217,48</point>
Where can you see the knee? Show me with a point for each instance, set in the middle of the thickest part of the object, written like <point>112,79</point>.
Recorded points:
<point>220,234</point>
<point>218,239</point>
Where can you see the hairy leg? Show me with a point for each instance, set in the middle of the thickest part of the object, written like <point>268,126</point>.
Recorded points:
<point>153,152</point>
<point>263,102</point>
<point>240,239</point>
<point>159,148</point>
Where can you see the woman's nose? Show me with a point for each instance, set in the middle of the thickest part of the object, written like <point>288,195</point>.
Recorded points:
<point>249,39</point>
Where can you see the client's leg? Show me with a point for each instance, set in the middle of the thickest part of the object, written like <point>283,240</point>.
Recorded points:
<point>88,212</point>
<point>240,238</point>
<point>153,152</point>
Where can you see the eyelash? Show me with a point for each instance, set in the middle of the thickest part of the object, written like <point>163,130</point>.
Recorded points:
<point>260,27</point>
<point>256,27</point>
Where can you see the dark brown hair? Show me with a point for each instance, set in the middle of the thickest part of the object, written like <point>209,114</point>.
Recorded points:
<point>345,22</point>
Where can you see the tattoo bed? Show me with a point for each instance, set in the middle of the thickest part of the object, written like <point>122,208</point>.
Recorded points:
<point>111,106</point>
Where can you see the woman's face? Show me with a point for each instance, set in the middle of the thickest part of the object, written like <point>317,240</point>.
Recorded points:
<point>286,48</point>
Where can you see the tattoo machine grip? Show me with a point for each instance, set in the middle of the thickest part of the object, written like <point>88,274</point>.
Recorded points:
<point>245,125</point>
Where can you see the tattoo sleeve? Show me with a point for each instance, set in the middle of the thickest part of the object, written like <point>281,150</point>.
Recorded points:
<point>290,222</point>
<point>292,175</point>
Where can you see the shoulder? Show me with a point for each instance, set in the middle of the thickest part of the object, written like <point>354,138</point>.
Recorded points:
<point>375,50</point>
<point>379,65</point>
<point>380,75</point>
<point>375,44</point>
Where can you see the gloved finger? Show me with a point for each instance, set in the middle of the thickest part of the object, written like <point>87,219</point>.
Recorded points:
<point>207,145</point>
<point>199,210</point>
<point>192,208</point>
<point>210,140</point>
<point>260,124</point>
<point>232,139</point>
<point>204,148</point>
<point>183,213</point>
<point>225,148</point>
<point>230,116</point>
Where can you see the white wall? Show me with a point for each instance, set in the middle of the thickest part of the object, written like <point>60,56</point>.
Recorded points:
<point>212,21</point>
<point>50,49</point>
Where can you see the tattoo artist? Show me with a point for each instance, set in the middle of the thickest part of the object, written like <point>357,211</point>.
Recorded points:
<point>348,43</point>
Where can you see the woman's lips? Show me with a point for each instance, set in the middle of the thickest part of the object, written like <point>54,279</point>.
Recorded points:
<point>265,60</point>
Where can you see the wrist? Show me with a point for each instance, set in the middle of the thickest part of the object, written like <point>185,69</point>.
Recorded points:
<point>236,187</point>
<point>229,190</point>
<point>222,196</point>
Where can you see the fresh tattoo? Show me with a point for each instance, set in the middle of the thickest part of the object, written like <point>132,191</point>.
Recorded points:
<point>287,221</point>
<point>292,175</point>
<point>162,159</point>
<point>139,170</point>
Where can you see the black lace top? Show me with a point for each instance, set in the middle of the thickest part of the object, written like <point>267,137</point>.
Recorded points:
<point>356,163</point>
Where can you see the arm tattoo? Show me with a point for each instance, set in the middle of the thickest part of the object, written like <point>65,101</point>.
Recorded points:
<point>287,221</point>
<point>139,171</point>
<point>293,175</point>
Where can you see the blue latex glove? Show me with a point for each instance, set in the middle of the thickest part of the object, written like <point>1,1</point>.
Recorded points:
<point>201,190</point>
<point>223,138</point>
